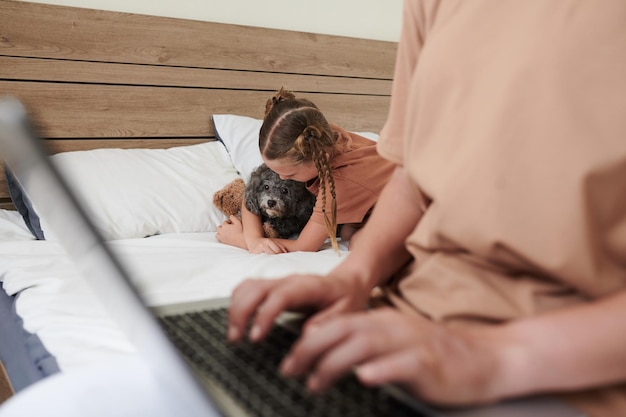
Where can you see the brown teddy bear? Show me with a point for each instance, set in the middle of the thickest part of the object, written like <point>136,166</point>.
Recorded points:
<point>229,200</point>
<point>230,197</point>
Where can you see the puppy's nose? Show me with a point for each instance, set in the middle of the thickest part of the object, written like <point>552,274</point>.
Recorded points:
<point>271,203</point>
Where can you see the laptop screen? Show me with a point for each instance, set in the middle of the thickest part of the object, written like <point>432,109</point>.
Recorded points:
<point>27,158</point>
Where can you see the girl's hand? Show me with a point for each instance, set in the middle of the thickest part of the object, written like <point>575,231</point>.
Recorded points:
<point>263,300</point>
<point>266,245</point>
<point>231,233</point>
<point>430,361</point>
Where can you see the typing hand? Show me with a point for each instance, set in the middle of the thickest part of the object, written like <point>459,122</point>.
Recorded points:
<point>265,300</point>
<point>431,361</point>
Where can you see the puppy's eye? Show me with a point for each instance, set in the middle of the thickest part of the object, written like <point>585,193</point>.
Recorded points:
<point>284,190</point>
<point>266,187</point>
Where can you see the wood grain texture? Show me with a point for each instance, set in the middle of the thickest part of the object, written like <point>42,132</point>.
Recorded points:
<point>94,78</point>
<point>120,111</point>
<point>6,389</point>
<point>35,69</point>
<point>47,31</point>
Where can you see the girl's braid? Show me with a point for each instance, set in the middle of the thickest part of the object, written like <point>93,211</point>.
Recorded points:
<point>319,155</point>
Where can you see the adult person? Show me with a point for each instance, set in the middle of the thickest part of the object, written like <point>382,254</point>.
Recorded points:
<point>500,240</point>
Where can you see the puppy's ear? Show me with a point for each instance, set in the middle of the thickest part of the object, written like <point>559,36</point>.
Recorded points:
<point>264,172</point>
<point>306,202</point>
<point>253,188</point>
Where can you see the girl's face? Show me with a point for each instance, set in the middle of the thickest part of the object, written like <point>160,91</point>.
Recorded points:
<point>287,170</point>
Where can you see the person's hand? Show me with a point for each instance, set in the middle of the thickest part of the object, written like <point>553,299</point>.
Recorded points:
<point>266,245</point>
<point>264,300</point>
<point>429,360</point>
<point>231,233</point>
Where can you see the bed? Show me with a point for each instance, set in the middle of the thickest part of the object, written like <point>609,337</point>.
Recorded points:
<point>149,116</point>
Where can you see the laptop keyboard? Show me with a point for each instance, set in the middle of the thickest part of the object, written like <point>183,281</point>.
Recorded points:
<point>249,372</point>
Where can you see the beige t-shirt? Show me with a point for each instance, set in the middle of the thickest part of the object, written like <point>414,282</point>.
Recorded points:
<point>510,118</point>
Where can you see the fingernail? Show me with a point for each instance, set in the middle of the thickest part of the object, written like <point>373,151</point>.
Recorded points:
<point>366,373</point>
<point>255,333</point>
<point>286,368</point>
<point>313,327</point>
<point>233,333</point>
<point>313,383</point>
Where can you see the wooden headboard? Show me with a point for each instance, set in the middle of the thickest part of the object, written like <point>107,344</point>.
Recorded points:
<point>95,78</point>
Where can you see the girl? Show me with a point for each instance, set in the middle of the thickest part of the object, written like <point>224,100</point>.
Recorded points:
<point>342,169</point>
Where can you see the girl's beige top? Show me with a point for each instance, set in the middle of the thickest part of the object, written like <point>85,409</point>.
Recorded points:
<point>360,175</point>
<point>510,118</point>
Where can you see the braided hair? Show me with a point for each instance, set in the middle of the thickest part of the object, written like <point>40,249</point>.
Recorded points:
<point>296,129</point>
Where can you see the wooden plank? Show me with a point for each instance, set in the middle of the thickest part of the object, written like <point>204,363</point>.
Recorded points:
<point>5,198</point>
<point>68,145</point>
<point>85,111</point>
<point>6,204</point>
<point>48,31</point>
<point>28,69</point>
<point>6,388</point>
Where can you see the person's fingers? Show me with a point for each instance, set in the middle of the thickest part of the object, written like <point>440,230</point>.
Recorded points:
<point>294,293</point>
<point>283,248</point>
<point>261,247</point>
<point>244,302</point>
<point>273,247</point>
<point>314,341</point>
<point>342,306</point>
<point>420,373</point>
<point>323,347</point>
<point>404,366</point>
<point>270,247</point>
<point>257,249</point>
<point>439,368</point>
<point>342,359</point>
<point>328,350</point>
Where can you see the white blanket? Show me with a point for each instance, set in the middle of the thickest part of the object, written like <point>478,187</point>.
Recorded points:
<point>65,313</point>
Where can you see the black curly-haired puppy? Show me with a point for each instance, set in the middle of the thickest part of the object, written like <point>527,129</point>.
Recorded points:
<point>283,205</point>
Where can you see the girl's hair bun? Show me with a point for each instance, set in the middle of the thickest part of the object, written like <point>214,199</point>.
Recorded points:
<point>311,133</point>
<point>280,96</point>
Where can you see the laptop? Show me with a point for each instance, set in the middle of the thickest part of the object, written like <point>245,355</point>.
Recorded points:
<point>185,344</point>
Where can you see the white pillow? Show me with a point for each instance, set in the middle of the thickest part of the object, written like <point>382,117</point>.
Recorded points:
<point>12,226</point>
<point>240,135</point>
<point>134,193</point>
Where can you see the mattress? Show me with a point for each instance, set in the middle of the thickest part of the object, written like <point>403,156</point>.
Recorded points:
<point>58,309</point>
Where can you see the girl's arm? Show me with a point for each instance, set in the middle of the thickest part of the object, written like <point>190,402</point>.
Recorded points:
<point>252,227</point>
<point>247,233</point>
<point>310,239</point>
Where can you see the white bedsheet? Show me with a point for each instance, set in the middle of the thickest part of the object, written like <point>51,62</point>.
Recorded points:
<point>63,311</point>
<point>12,227</point>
